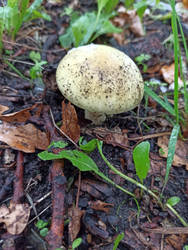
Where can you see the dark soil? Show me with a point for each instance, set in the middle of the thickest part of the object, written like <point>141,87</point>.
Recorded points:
<point>98,228</point>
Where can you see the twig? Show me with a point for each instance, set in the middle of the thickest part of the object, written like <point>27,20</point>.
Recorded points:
<point>54,237</point>
<point>18,182</point>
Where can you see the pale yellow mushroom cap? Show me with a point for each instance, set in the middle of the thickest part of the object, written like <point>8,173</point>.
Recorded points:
<point>100,79</point>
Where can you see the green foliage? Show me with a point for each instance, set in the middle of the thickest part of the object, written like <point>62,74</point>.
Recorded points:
<point>140,7</point>
<point>36,70</point>
<point>141,59</point>
<point>76,243</point>
<point>84,163</point>
<point>173,200</point>
<point>87,146</point>
<point>86,28</point>
<point>117,240</point>
<point>166,105</point>
<point>141,159</point>
<point>41,225</point>
<point>16,12</point>
<point>171,151</point>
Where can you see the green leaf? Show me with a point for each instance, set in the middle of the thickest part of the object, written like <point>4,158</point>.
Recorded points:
<point>44,232</point>
<point>80,160</point>
<point>76,243</point>
<point>173,200</point>
<point>101,4</point>
<point>140,7</point>
<point>35,56</point>
<point>110,6</point>
<point>128,3</point>
<point>171,150</point>
<point>88,146</point>
<point>66,39</point>
<point>141,159</point>
<point>34,6</point>
<point>58,144</point>
<point>38,14</point>
<point>41,224</point>
<point>117,240</point>
<point>83,28</point>
<point>105,26</point>
<point>165,105</point>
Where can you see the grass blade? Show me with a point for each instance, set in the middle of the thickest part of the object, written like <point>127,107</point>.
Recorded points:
<point>171,151</point>
<point>176,56</point>
<point>165,105</point>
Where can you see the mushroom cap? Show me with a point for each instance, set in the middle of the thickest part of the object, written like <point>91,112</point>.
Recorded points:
<point>101,79</point>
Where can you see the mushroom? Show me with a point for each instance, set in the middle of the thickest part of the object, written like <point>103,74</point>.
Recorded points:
<point>101,80</point>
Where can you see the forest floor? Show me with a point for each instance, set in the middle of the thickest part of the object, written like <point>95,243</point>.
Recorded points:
<point>99,212</point>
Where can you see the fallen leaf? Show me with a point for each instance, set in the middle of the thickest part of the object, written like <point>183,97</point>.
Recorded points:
<point>3,109</point>
<point>167,71</point>
<point>130,17</point>
<point>75,215</point>
<point>95,227</point>
<point>176,241</point>
<point>23,137</point>
<point>185,3</point>
<point>136,25</point>
<point>139,240</point>
<point>115,137</point>
<point>181,152</point>
<point>22,115</point>
<point>15,217</point>
<point>95,188</point>
<point>100,205</point>
<point>70,124</point>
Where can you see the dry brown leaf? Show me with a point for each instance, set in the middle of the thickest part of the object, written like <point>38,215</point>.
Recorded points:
<point>185,3</point>
<point>70,124</point>
<point>115,137</point>
<point>95,188</point>
<point>24,137</point>
<point>181,153</point>
<point>167,72</point>
<point>176,241</point>
<point>135,23</point>
<point>15,217</point>
<point>22,115</point>
<point>3,109</point>
<point>100,205</point>
<point>75,215</point>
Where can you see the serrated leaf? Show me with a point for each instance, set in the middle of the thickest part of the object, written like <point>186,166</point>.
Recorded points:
<point>105,26</point>
<point>83,28</point>
<point>141,159</point>
<point>101,4</point>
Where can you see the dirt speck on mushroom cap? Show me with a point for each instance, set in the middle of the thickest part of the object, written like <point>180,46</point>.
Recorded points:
<point>99,78</point>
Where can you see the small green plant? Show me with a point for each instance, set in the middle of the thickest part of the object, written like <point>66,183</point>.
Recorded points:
<point>41,225</point>
<point>118,240</point>
<point>141,160</point>
<point>36,70</point>
<point>86,28</point>
<point>141,59</point>
<point>84,162</point>
<point>76,243</point>
<point>17,12</point>
<point>174,111</point>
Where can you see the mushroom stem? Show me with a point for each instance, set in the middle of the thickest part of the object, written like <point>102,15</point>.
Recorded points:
<point>96,118</point>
